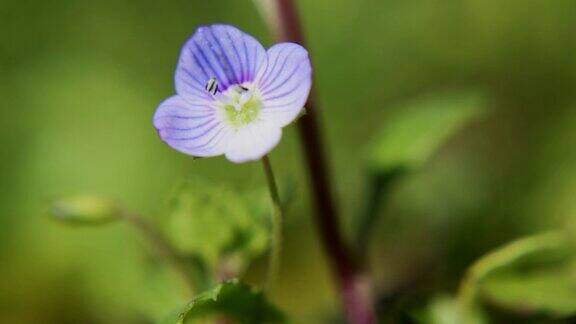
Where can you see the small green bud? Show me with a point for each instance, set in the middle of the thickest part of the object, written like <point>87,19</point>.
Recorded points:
<point>85,209</point>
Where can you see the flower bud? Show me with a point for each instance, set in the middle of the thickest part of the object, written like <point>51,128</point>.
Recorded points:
<point>85,209</point>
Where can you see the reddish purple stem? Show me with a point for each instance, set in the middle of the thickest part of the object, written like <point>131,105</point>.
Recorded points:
<point>354,285</point>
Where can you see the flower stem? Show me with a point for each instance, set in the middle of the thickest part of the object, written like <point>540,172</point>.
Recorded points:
<point>163,249</point>
<point>354,285</point>
<point>276,222</point>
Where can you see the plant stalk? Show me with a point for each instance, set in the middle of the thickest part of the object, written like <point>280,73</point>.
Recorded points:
<point>354,285</point>
<point>164,249</point>
<point>276,222</point>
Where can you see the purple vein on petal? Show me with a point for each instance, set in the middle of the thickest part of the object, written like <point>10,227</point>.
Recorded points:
<point>246,76</point>
<point>240,63</point>
<point>191,75</point>
<point>288,92</point>
<point>283,82</point>
<point>249,63</point>
<point>266,74</point>
<point>209,141</point>
<point>181,117</point>
<point>198,63</point>
<point>205,145</point>
<point>189,108</point>
<point>203,62</point>
<point>193,137</point>
<point>190,84</point>
<point>278,72</point>
<point>218,71</point>
<point>255,67</point>
<point>227,66</point>
<point>188,128</point>
<point>269,108</point>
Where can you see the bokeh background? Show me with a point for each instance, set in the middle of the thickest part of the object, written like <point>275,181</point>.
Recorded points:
<point>80,81</point>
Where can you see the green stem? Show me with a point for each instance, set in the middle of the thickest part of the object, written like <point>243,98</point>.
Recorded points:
<point>163,248</point>
<point>276,222</point>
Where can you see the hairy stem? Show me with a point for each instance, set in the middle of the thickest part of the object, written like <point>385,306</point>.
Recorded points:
<point>163,248</point>
<point>353,283</point>
<point>276,221</point>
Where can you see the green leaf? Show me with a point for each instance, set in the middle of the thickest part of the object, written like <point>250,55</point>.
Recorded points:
<point>406,141</point>
<point>419,128</point>
<point>214,222</point>
<point>514,252</point>
<point>548,291</point>
<point>501,276</point>
<point>445,309</point>
<point>85,210</point>
<point>232,299</point>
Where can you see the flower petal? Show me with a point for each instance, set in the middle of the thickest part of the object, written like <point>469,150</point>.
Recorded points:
<point>252,142</point>
<point>194,129</point>
<point>285,83</point>
<point>217,51</point>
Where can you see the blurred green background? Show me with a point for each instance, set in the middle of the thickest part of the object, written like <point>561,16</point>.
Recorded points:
<point>80,81</point>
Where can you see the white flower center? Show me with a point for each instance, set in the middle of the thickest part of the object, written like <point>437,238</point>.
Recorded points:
<point>239,104</point>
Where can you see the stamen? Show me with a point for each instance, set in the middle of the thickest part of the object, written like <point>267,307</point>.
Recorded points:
<point>212,86</point>
<point>240,104</point>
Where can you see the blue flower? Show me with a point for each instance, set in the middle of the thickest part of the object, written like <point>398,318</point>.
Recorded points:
<point>232,96</point>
